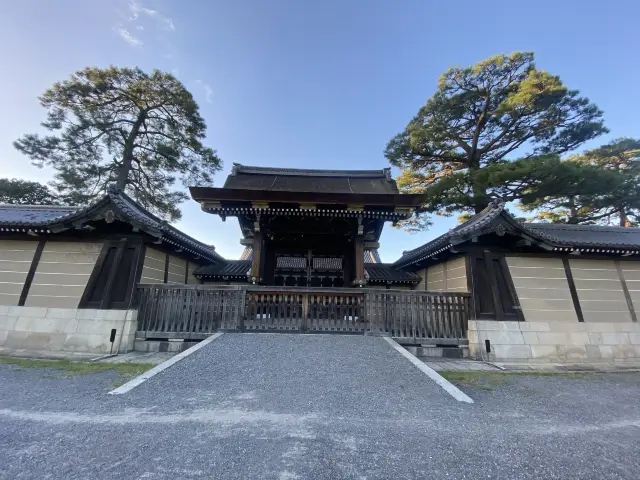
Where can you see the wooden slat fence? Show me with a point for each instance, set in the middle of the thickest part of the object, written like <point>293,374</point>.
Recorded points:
<point>196,311</point>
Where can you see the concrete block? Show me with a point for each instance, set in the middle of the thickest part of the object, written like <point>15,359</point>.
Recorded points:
<point>551,338</point>
<point>36,341</point>
<point>530,338</point>
<point>3,337</point>
<point>534,327</point>
<point>509,326</point>
<point>601,327</point>
<point>567,327</point>
<point>4,309</point>
<point>634,338</point>
<point>28,311</point>
<point>56,341</point>
<point>93,327</point>
<point>578,339</point>
<point>626,327</point>
<point>572,352</point>
<point>544,351</point>
<point>131,315</point>
<point>472,325</point>
<point>606,351</point>
<point>505,338</point>
<point>511,352</point>
<point>8,322</point>
<point>14,339</point>
<point>473,336</point>
<point>70,326</point>
<point>624,351</point>
<point>484,325</point>
<point>593,352</point>
<point>61,313</point>
<point>111,314</point>
<point>86,313</point>
<point>84,343</point>
<point>609,338</point>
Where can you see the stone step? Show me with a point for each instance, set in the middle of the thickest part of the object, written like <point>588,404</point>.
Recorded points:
<point>142,345</point>
<point>442,352</point>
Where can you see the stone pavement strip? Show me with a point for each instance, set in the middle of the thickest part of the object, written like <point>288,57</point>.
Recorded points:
<point>466,365</point>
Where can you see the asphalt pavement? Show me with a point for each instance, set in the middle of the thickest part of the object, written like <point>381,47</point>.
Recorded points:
<point>279,406</point>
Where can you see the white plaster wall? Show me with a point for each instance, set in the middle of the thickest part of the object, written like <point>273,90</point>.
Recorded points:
<point>153,266</point>
<point>16,257</point>
<point>62,274</point>
<point>449,276</point>
<point>554,341</point>
<point>66,329</point>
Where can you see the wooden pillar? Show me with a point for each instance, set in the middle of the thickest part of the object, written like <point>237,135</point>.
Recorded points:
<point>359,260</point>
<point>256,261</point>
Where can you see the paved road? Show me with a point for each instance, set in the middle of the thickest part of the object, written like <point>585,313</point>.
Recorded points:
<point>297,407</point>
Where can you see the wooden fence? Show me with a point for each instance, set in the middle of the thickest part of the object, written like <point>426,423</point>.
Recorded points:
<point>196,311</point>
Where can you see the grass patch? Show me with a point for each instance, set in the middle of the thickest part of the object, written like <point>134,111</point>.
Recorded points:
<point>68,368</point>
<point>490,380</point>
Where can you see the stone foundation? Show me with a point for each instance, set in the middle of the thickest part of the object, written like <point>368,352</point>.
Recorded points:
<point>66,329</point>
<point>557,342</point>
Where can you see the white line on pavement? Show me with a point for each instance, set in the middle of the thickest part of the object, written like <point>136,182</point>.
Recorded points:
<point>131,384</point>
<point>449,387</point>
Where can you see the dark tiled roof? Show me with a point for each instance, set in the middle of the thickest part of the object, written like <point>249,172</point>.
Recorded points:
<point>58,219</point>
<point>372,256</point>
<point>387,273</point>
<point>231,268</point>
<point>307,180</point>
<point>32,214</point>
<point>587,235</point>
<point>495,219</point>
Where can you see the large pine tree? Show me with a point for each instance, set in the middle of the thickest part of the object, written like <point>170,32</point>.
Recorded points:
<point>459,149</point>
<point>121,125</point>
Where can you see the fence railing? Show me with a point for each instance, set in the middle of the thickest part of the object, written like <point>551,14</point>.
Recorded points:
<point>196,311</point>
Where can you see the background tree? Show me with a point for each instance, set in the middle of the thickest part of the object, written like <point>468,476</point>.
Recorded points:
<point>458,149</point>
<point>619,203</point>
<point>121,125</point>
<point>24,192</point>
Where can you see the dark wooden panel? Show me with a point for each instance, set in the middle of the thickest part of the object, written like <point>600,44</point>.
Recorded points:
<point>31,273</point>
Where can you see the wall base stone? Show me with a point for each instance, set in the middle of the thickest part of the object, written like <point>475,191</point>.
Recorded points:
<point>554,341</point>
<point>66,329</point>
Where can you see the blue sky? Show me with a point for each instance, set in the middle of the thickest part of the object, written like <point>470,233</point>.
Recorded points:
<point>295,83</point>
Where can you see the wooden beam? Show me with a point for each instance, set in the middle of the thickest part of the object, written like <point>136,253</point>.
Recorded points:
<point>166,267</point>
<point>625,289</point>
<point>572,289</point>
<point>31,273</point>
<point>115,268</point>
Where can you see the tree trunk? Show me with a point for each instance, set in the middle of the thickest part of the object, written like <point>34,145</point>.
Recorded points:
<point>480,198</point>
<point>127,153</point>
<point>623,216</point>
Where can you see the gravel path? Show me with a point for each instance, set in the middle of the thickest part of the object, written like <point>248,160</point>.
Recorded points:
<point>311,406</point>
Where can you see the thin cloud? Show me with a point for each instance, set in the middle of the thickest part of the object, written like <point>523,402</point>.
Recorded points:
<point>142,20</point>
<point>128,37</point>
<point>136,10</point>
<point>208,91</point>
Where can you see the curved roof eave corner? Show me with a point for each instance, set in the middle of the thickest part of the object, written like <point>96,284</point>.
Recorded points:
<point>495,218</point>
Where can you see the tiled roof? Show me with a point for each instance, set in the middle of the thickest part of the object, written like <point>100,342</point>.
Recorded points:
<point>387,273</point>
<point>57,219</point>
<point>587,235</point>
<point>495,219</point>
<point>307,180</point>
<point>231,268</point>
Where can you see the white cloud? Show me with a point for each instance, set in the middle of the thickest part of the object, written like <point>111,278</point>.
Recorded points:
<point>127,36</point>
<point>136,10</point>
<point>140,19</point>
<point>208,91</point>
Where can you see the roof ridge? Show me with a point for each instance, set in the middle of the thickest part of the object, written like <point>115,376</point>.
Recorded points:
<point>379,173</point>
<point>571,226</point>
<point>40,207</point>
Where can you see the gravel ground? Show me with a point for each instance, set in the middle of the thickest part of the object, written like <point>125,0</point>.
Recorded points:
<point>312,406</point>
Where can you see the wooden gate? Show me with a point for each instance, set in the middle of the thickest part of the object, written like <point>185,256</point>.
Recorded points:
<point>196,311</point>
